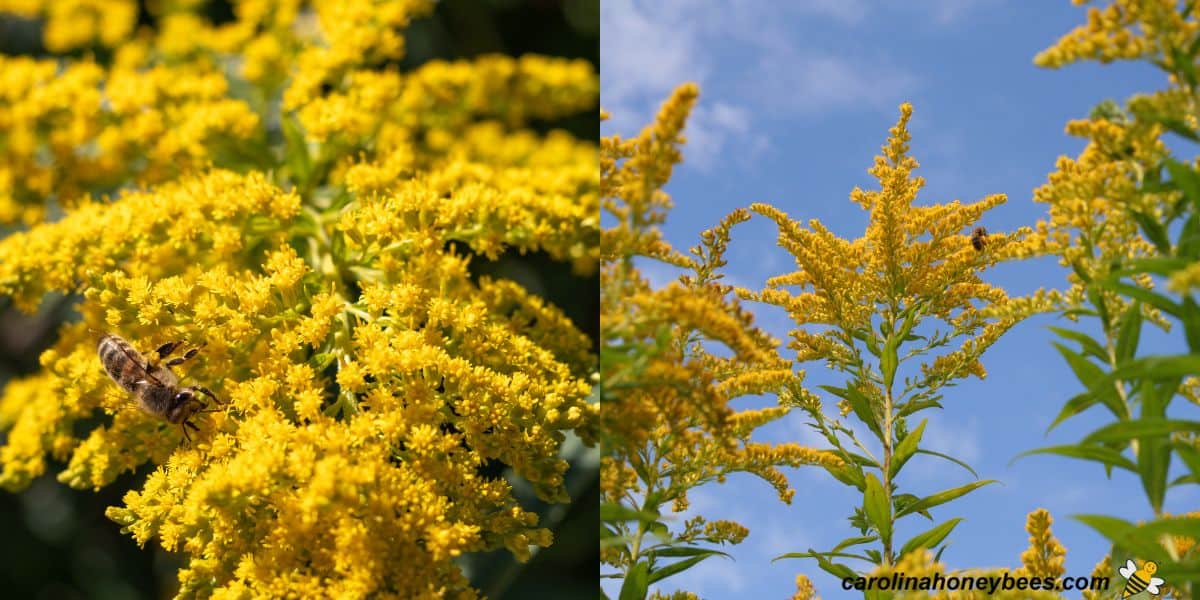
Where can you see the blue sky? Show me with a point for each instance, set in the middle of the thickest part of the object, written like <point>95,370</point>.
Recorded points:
<point>796,99</point>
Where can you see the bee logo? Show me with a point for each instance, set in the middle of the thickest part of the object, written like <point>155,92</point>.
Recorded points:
<point>1140,579</point>
<point>155,387</point>
<point>979,238</point>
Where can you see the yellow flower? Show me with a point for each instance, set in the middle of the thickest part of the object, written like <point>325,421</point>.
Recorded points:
<point>667,419</point>
<point>369,381</point>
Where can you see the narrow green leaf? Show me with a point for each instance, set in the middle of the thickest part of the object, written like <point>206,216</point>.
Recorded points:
<point>1120,532</point>
<point>612,512</point>
<point>1090,346</point>
<point>1141,428</point>
<point>1153,460</point>
<point>931,538</point>
<point>912,407</point>
<point>1158,301</point>
<point>849,474</point>
<point>1085,370</point>
<point>906,448</point>
<point>889,360</point>
<point>1191,324</point>
<point>951,459</point>
<point>859,404</point>
<point>637,581</point>
<point>681,551</point>
<point>1189,454</point>
<point>877,504</point>
<point>854,541</point>
<point>1184,177</point>
<point>676,567</point>
<point>814,554</point>
<point>1158,265</point>
<point>835,569</point>
<point>1188,245</point>
<point>1100,454</point>
<point>1129,333</point>
<point>943,497</point>
<point>1153,230</point>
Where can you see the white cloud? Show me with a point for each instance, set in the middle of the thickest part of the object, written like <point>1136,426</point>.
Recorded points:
<point>808,85</point>
<point>648,48</point>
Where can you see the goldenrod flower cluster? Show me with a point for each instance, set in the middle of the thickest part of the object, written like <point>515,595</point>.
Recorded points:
<point>322,254</point>
<point>667,417</point>
<point>1123,30</point>
<point>1092,197</point>
<point>914,262</point>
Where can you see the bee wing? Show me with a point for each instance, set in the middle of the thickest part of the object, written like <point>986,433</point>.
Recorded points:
<point>1128,569</point>
<point>1154,583</point>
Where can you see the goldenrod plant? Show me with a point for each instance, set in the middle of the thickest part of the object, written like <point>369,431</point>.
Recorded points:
<point>886,310</point>
<point>1124,216</point>
<point>275,189</point>
<point>668,421</point>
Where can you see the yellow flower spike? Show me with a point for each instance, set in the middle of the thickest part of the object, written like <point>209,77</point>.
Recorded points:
<point>1045,556</point>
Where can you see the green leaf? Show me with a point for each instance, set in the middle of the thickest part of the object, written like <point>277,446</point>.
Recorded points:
<point>849,474</point>
<point>889,360</point>
<point>818,555</point>
<point>1189,454</point>
<point>1153,230</point>
<point>637,581</point>
<point>1158,301</point>
<point>681,551</point>
<point>1089,345</point>
<point>1101,454</point>
<point>1088,373</point>
<point>951,459</point>
<point>1141,428</point>
<point>943,497</point>
<point>1154,459</point>
<point>879,507</point>
<point>906,448</point>
<point>676,567</point>
<point>1121,533</point>
<point>1187,179</point>
<point>1158,265</point>
<point>1187,571</point>
<point>854,541</point>
<point>835,569</point>
<point>1191,324</point>
<point>860,404</point>
<point>1129,333</point>
<point>931,538</point>
<point>914,406</point>
<point>1084,369</point>
<point>611,512</point>
<point>1188,245</point>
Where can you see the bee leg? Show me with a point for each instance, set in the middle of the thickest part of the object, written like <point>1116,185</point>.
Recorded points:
<point>207,392</point>
<point>166,349</point>
<point>184,427</point>
<point>182,359</point>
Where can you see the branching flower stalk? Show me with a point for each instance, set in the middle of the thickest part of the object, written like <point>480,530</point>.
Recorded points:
<point>667,421</point>
<point>871,306</point>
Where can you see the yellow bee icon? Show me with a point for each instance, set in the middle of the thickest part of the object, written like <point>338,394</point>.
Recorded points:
<point>1140,579</point>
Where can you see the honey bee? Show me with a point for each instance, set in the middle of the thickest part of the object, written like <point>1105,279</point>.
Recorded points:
<point>1140,579</point>
<point>979,239</point>
<point>155,387</point>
